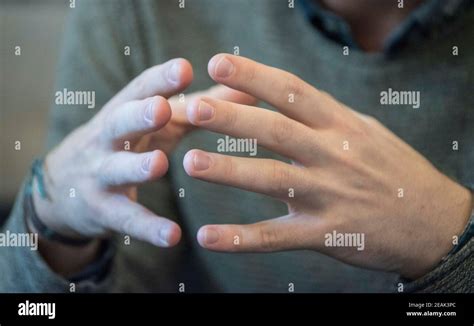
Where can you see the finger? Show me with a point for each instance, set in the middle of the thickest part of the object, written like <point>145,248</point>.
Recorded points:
<point>283,233</point>
<point>278,133</point>
<point>130,218</point>
<point>136,118</point>
<point>286,92</point>
<point>165,80</point>
<point>179,122</point>
<point>222,92</point>
<point>269,177</point>
<point>129,168</point>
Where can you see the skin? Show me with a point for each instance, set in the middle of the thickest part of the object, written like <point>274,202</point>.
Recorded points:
<point>350,191</point>
<point>371,21</point>
<point>347,191</point>
<point>94,162</point>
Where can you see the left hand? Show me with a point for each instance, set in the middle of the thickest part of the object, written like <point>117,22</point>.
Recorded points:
<point>348,175</point>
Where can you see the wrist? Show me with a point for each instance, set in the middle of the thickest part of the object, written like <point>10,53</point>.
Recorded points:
<point>66,260</point>
<point>43,194</point>
<point>446,224</point>
<point>40,208</point>
<point>66,256</point>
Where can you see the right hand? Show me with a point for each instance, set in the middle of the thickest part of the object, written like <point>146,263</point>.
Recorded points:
<point>93,162</point>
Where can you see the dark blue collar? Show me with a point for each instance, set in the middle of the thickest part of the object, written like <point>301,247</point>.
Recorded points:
<point>429,16</point>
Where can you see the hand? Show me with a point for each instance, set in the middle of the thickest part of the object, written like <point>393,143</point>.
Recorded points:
<point>350,175</point>
<point>96,164</point>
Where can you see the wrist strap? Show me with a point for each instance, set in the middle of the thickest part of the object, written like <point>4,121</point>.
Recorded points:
<point>30,212</point>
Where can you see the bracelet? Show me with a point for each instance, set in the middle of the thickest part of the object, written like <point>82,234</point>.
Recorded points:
<point>30,212</point>
<point>37,172</point>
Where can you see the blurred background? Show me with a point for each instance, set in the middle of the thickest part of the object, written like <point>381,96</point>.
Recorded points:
<point>35,26</point>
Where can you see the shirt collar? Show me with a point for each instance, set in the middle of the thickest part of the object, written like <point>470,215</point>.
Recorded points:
<point>425,18</point>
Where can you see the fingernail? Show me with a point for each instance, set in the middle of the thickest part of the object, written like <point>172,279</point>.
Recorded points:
<point>224,68</point>
<point>173,73</point>
<point>164,235</point>
<point>201,161</point>
<point>146,164</point>
<point>211,236</point>
<point>205,111</point>
<point>149,112</point>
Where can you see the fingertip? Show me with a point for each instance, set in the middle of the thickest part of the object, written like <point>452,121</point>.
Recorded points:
<point>181,72</point>
<point>220,66</point>
<point>187,73</point>
<point>188,162</point>
<point>211,65</point>
<point>200,110</point>
<point>159,164</point>
<point>192,111</point>
<point>169,235</point>
<point>201,236</point>
<point>174,235</point>
<point>208,236</point>
<point>196,162</point>
<point>162,111</point>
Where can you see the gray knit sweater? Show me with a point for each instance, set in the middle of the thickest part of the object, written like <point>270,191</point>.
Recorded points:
<point>270,32</point>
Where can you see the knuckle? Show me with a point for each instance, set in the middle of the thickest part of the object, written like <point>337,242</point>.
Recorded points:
<point>229,166</point>
<point>294,85</point>
<point>250,75</point>
<point>230,118</point>
<point>324,99</point>
<point>281,129</point>
<point>359,128</point>
<point>365,124</point>
<point>105,172</point>
<point>280,176</point>
<point>371,121</point>
<point>269,238</point>
<point>323,94</point>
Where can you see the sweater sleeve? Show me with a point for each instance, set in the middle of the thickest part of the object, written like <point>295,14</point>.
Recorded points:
<point>23,268</point>
<point>455,273</point>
